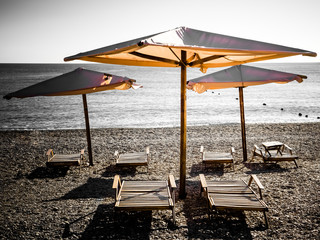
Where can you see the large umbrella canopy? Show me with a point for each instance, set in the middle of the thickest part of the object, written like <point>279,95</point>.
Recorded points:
<point>186,47</point>
<point>204,49</point>
<point>239,77</point>
<point>79,81</point>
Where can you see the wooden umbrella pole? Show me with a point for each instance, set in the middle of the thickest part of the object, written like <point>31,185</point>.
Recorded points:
<point>243,127</point>
<point>86,116</point>
<point>183,124</point>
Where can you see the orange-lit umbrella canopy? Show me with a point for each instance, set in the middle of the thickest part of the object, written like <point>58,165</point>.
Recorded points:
<point>80,81</point>
<point>186,47</point>
<point>239,77</point>
<point>204,50</point>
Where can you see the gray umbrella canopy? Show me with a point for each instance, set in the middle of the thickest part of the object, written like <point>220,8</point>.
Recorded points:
<point>186,47</point>
<point>78,82</point>
<point>239,77</point>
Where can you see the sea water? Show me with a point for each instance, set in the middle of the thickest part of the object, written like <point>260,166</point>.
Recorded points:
<point>157,104</point>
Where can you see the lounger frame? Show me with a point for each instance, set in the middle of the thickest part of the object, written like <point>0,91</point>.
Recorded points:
<point>233,195</point>
<point>209,158</point>
<point>145,195</point>
<point>285,154</point>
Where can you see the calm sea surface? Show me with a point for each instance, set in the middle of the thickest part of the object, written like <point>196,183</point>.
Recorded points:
<point>157,104</point>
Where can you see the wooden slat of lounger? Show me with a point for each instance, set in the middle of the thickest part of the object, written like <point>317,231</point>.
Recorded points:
<point>141,198</point>
<point>141,195</point>
<point>236,186</point>
<point>137,184</point>
<point>64,160</point>
<point>133,156</point>
<point>142,207</point>
<point>71,157</point>
<point>131,160</point>
<point>144,191</point>
<point>217,156</point>
<point>237,201</point>
<point>129,187</point>
<point>227,183</point>
<point>138,158</point>
<point>145,203</point>
<point>231,190</point>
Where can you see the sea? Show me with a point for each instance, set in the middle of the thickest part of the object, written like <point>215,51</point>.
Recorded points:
<point>157,104</point>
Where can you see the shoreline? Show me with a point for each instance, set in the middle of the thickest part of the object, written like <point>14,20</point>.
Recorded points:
<point>189,126</point>
<point>40,203</point>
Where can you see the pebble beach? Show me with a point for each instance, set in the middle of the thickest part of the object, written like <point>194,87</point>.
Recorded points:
<point>43,203</point>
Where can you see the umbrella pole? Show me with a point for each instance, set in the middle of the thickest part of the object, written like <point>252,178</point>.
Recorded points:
<point>243,127</point>
<point>183,126</point>
<point>86,116</point>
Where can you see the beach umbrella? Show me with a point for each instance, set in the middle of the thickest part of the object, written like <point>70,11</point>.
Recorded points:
<point>239,77</point>
<point>186,47</point>
<point>78,82</point>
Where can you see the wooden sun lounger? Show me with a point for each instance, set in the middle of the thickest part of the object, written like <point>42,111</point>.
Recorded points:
<point>217,157</point>
<point>132,159</point>
<point>234,195</point>
<point>59,160</point>
<point>145,195</point>
<point>284,154</point>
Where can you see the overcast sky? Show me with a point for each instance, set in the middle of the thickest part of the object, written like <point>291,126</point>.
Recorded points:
<point>46,31</point>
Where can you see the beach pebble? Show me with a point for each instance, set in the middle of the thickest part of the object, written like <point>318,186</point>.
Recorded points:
<point>300,114</point>
<point>73,205</point>
<point>306,116</point>
<point>264,104</point>
<point>281,109</point>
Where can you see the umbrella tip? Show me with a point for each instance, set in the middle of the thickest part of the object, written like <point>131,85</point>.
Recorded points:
<point>7,97</point>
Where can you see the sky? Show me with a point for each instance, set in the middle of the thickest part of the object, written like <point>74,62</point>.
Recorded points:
<point>46,31</point>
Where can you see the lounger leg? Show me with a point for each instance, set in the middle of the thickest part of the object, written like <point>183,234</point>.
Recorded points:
<point>209,215</point>
<point>253,155</point>
<point>295,163</point>
<point>266,219</point>
<point>174,216</point>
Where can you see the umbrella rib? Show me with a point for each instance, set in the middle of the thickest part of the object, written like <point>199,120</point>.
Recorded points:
<point>175,54</point>
<point>203,60</point>
<point>180,62</point>
<point>150,57</point>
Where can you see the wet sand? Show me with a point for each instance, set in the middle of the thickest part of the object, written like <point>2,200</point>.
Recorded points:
<point>42,203</point>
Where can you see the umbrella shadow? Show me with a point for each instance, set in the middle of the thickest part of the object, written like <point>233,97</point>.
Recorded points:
<point>45,172</point>
<point>112,170</point>
<point>108,224</point>
<point>256,168</point>
<point>93,188</point>
<point>212,169</point>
